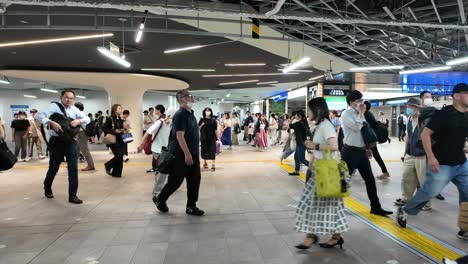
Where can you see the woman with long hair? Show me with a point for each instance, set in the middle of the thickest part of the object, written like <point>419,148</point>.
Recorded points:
<point>300,130</point>
<point>273,128</point>
<point>226,131</point>
<point>235,124</point>
<point>314,215</point>
<point>114,125</point>
<point>208,136</point>
<point>261,132</point>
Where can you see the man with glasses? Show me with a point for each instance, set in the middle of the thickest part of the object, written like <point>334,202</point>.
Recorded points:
<point>60,148</point>
<point>354,152</point>
<point>184,145</point>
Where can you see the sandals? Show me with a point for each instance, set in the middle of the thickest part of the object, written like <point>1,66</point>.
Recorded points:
<point>311,237</point>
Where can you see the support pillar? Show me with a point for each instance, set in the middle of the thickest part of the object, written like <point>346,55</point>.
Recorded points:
<point>133,102</point>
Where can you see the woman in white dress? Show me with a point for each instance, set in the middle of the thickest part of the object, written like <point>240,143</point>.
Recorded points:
<point>314,215</point>
<point>273,128</point>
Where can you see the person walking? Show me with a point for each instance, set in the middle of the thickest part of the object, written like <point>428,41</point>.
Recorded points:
<point>126,120</point>
<point>261,133</point>
<point>208,137</point>
<point>335,120</point>
<point>151,118</point>
<point>36,135</point>
<point>82,141</point>
<point>61,147</point>
<point>443,139</point>
<point>235,124</point>
<point>374,124</point>
<point>272,129</point>
<point>314,215</point>
<point>114,125</point>
<point>402,120</point>
<point>279,133</point>
<point>354,152</point>
<point>245,126</point>
<point>20,130</point>
<point>301,131</point>
<point>414,172</point>
<point>184,143</point>
<point>226,138</point>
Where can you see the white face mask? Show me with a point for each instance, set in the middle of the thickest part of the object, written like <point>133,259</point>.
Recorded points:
<point>208,113</point>
<point>428,102</point>
<point>190,104</point>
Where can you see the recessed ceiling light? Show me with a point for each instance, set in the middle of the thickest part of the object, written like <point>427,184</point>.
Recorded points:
<point>81,96</point>
<point>243,64</point>
<point>181,70</point>
<point>29,96</point>
<point>41,41</point>
<point>49,90</point>
<point>247,74</point>
<point>240,82</point>
<point>4,81</point>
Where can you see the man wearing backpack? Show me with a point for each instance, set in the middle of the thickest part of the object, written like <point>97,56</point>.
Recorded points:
<point>402,120</point>
<point>60,148</point>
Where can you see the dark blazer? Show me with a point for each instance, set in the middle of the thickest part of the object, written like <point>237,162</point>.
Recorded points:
<point>111,124</point>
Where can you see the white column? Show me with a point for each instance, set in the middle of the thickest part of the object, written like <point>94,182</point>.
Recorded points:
<point>131,100</point>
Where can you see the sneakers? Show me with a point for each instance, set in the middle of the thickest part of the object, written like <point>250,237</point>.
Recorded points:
<point>150,171</point>
<point>42,157</point>
<point>402,217</point>
<point>463,235</point>
<point>162,207</point>
<point>294,173</point>
<point>125,158</point>
<point>75,200</point>
<point>383,176</point>
<point>448,261</point>
<point>194,211</point>
<point>400,202</point>
<point>426,208</point>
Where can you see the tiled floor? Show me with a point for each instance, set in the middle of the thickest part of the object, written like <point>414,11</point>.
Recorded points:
<point>249,203</point>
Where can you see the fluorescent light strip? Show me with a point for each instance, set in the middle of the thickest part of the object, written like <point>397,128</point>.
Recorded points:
<point>183,49</point>
<point>244,64</point>
<point>316,77</point>
<point>181,70</point>
<point>261,83</point>
<point>247,75</point>
<point>113,57</point>
<point>458,61</point>
<point>231,83</point>
<point>377,68</point>
<point>432,69</point>
<point>29,96</point>
<point>4,82</point>
<point>384,89</point>
<point>81,97</point>
<point>49,90</point>
<point>296,65</point>
<point>138,36</point>
<point>32,42</point>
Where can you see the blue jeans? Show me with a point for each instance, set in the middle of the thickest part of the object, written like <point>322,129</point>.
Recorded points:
<point>58,150</point>
<point>299,157</point>
<point>435,183</point>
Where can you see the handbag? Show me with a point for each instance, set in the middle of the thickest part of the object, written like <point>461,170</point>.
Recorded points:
<point>293,143</point>
<point>127,137</point>
<point>108,139</point>
<point>369,136</point>
<point>7,158</point>
<point>218,147</point>
<point>149,142</point>
<point>331,177</point>
<point>165,162</point>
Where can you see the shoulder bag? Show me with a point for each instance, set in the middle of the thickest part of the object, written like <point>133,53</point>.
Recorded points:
<point>108,139</point>
<point>331,177</point>
<point>149,140</point>
<point>369,136</point>
<point>165,161</point>
<point>7,158</point>
<point>69,132</point>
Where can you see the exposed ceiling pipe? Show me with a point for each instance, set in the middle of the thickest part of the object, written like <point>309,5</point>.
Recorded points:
<point>276,9</point>
<point>202,12</point>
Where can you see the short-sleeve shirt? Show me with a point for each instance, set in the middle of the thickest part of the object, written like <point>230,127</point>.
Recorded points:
<point>148,119</point>
<point>450,132</point>
<point>162,138</point>
<point>20,125</point>
<point>336,122</point>
<point>323,132</point>
<point>185,121</point>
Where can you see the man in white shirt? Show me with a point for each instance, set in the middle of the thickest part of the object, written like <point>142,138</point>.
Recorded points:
<point>355,153</point>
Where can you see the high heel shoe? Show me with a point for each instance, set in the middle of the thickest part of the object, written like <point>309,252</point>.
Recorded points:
<point>339,242</point>
<point>309,236</point>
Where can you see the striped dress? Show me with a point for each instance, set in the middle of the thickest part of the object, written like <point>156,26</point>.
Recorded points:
<point>320,216</point>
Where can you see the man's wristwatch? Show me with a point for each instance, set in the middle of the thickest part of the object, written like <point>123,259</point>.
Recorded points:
<point>317,147</point>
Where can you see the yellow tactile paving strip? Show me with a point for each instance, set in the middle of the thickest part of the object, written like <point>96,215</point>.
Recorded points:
<point>411,237</point>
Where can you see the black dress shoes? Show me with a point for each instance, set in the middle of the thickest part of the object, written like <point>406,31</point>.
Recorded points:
<point>75,200</point>
<point>162,207</point>
<point>380,212</point>
<point>49,194</point>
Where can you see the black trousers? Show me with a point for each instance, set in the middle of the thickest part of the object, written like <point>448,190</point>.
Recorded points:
<point>401,132</point>
<point>115,165</point>
<point>58,150</point>
<point>192,176</point>
<point>378,158</point>
<point>356,158</point>
<point>125,150</point>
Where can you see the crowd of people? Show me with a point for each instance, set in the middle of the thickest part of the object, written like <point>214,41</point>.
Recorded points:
<point>434,153</point>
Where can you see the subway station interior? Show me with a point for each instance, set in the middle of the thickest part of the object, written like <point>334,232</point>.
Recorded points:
<point>261,67</point>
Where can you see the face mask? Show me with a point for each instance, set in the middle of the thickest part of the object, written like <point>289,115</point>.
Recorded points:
<point>428,102</point>
<point>410,111</point>
<point>190,104</point>
<point>208,113</point>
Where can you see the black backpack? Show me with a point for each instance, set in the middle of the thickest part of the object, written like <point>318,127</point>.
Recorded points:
<point>90,129</point>
<point>400,120</point>
<point>381,131</point>
<point>7,158</point>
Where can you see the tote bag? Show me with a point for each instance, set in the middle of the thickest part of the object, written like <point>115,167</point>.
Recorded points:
<point>331,177</point>
<point>7,158</point>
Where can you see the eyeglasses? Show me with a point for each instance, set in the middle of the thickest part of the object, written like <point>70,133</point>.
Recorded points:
<point>69,98</point>
<point>187,95</point>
